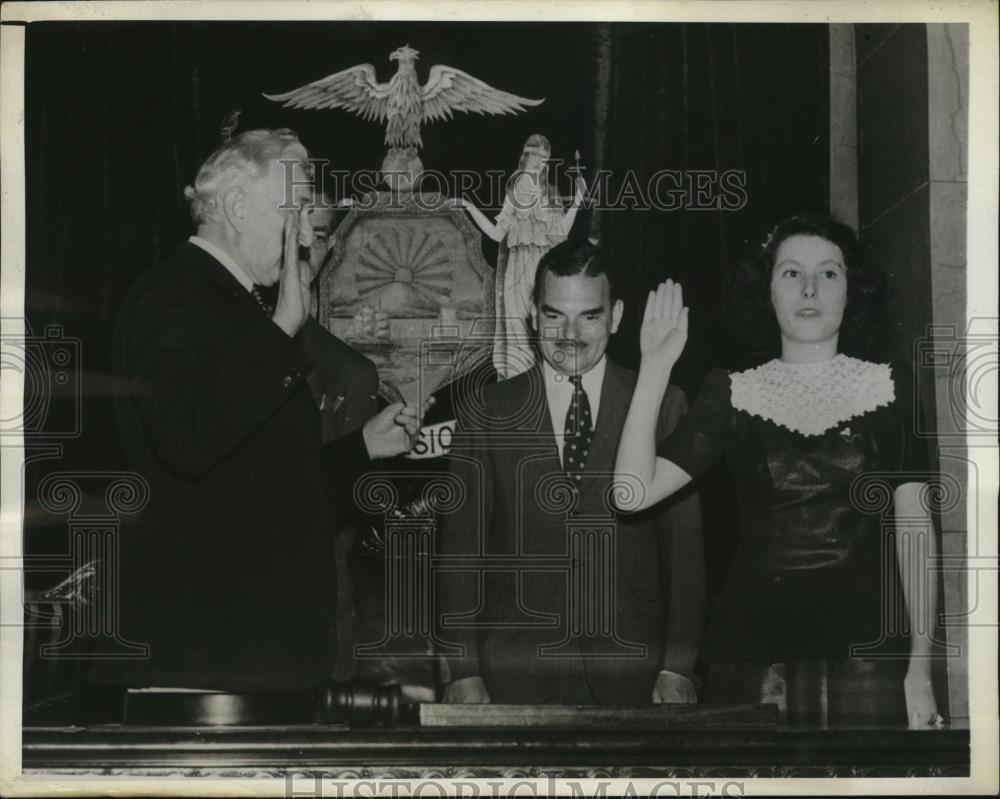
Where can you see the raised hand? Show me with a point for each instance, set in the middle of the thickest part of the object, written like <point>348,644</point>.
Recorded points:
<point>664,326</point>
<point>292,307</point>
<point>305,233</point>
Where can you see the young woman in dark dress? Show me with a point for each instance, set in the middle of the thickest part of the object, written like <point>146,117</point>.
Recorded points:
<point>826,581</point>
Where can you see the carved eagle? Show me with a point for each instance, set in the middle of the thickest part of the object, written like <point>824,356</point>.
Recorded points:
<point>403,101</point>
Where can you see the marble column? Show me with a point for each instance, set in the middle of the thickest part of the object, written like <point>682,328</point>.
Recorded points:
<point>912,146</point>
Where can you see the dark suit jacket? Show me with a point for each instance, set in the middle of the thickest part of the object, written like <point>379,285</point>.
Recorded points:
<point>343,382</point>
<point>228,574</point>
<point>344,386</point>
<point>506,457</point>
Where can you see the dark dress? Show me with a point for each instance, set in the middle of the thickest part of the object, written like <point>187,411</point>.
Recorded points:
<point>814,579</point>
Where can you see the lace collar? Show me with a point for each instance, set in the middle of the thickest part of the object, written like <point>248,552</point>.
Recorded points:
<point>813,398</point>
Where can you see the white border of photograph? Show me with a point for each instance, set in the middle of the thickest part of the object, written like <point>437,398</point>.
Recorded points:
<point>982,289</point>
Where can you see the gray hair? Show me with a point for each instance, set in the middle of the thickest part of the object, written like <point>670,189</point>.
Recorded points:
<point>247,155</point>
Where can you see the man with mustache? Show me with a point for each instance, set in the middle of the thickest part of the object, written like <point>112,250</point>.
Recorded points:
<point>570,617</point>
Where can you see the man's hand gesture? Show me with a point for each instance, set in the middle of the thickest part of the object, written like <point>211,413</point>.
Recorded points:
<point>294,279</point>
<point>393,431</point>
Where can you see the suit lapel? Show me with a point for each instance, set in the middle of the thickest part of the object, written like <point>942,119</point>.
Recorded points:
<point>532,465</point>
<point>525,401</point>
<point>529,387</point>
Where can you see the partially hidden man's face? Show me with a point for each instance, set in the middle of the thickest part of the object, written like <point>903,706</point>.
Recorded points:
<point>267,202</point>
<point>321,220</point>
<point>575,318</point>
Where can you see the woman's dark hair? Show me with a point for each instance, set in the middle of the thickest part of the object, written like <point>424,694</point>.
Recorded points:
<point>752,316</point>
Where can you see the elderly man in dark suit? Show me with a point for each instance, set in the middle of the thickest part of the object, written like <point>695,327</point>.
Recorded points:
<point>228,574</point>
<point>582,606</point>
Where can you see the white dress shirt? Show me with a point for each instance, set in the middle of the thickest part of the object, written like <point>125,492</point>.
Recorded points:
<point>559,393</point>
<point>225,259</point>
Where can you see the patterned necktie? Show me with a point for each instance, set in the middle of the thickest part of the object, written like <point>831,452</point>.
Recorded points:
<point>578,432</point>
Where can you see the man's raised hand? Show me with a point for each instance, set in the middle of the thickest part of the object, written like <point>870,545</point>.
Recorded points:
<point>292,307</point>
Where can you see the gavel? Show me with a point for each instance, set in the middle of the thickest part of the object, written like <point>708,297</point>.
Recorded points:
<point>362,704</point>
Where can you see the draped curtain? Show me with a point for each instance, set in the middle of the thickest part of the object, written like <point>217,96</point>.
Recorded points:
<point>711,98</point>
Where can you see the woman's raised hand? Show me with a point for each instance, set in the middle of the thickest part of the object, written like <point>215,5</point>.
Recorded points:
<point>664,326</point>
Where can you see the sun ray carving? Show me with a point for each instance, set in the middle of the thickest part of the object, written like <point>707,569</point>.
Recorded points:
<point>406,271</point>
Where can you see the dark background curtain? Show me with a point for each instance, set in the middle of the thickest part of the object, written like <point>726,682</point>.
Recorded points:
<point>753,99</point>
<point>120,115</point>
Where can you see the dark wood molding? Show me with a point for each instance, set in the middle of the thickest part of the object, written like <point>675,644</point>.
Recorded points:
<point>339,752</point>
